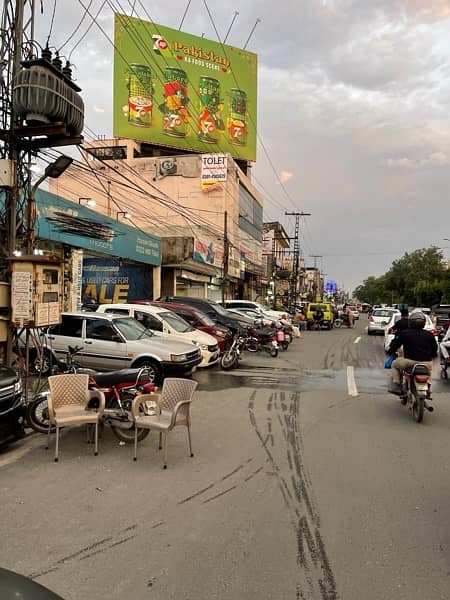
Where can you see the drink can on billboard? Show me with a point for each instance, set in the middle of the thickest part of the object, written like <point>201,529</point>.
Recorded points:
<point>237,120</point>
<point>174,107</point>
<point>209,121</point>
<point>140,95</point>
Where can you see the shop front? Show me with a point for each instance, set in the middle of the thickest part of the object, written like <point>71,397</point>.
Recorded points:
<point>106,261</point>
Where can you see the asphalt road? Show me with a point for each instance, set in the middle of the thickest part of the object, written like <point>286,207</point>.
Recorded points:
<point>309,482</point>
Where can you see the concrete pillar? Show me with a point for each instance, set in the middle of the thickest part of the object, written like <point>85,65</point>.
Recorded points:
<point>156,282</point>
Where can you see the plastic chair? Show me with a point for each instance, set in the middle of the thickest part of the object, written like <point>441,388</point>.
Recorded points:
<point>174,409</point>
<point>67,405</point>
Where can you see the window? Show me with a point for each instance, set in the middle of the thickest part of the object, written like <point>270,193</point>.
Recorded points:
<point>148,321</point>
<point>117,311</point>
<point>176,322</point>
<point>98,329</point>
<point>69,326</point>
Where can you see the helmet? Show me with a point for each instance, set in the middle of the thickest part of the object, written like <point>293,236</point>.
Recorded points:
<point>417,320</point>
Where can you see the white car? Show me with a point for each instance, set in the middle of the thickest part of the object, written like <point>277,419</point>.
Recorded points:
<point>274,314</point>
<point>165,323</point>
<point>253,314</point>
<point>396,316</point>
<point>378,320</point>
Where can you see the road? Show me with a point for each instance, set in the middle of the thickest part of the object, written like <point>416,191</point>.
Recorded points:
<point>309,482</point>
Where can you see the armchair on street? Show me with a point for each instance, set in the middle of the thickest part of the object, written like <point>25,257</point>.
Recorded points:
<point>173,410</point>
<point>67,405</point>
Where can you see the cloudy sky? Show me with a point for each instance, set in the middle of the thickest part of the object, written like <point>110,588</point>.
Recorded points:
<point>353,112</point>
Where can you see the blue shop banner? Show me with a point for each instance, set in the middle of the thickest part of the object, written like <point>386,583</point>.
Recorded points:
<point>107,280</point>
<point>64,221</point>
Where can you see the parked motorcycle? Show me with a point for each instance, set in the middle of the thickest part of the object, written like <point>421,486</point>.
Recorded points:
<point>417,390</point>
<point>230,358</point>
<point>262,339</point>
<point>119,388</point>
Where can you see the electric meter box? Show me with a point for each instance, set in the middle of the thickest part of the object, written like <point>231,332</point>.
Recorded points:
<point>7,173</point>
<point>36,291</point>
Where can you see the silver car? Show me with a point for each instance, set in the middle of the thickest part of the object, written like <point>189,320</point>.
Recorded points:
<point>378,320</point>
<point>111,342</point>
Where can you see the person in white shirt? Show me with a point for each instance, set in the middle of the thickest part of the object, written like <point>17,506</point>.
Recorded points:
<point>445,346</point>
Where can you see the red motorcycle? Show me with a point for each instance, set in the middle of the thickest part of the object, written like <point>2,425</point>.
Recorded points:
<point>119,387</point>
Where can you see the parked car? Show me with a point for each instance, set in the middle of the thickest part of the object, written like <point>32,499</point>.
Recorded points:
<point>441,318</point>
<point>275,314</point>
<point>378,320</point>
<point>12,406</point>
<point>214,310</point>
<point>389,333</point>
<point>251,313</point>
<point>198,319</point>
<point>111,342</point>
<point>168,324</point>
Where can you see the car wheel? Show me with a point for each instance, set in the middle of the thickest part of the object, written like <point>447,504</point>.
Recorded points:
<point>369,332</point>
<point>154,370</point>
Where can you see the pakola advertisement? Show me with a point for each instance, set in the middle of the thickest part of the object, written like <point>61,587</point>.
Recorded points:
<point>176,89</point>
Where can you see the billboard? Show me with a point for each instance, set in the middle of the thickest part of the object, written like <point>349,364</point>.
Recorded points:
<point>183,91</point>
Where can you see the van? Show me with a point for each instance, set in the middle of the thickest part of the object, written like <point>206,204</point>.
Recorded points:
<point>327,310</point>
<point>165,323</point>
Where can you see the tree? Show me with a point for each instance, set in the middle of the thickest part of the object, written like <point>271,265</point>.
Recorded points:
<point>418,278</point>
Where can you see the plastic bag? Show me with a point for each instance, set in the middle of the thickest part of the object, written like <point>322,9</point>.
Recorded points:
<point>389,360</point>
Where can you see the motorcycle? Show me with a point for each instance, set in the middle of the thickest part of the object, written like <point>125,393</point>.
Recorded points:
<point>262,339</point>
<point>416,390</point>
<point>119,387</point>
<point>341,321</point>
<point>230,358</point>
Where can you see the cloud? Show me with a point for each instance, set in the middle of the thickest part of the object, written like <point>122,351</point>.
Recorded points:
<point>285,176</point>
<point>436,159</point>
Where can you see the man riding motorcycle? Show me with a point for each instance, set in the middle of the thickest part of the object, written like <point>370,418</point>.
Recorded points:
<point>445,346</point>
<point>419,346</point>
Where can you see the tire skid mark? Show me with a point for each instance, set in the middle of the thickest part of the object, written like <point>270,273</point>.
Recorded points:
<point>113,545</point>
<point>90,550</point>
<point>232,472</point>
<point>195,494</point>
<point>219,495</point>
<point>254,474</point>
<point>315,576</point>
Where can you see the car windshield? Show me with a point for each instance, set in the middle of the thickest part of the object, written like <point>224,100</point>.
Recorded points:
<point>205,319</point>
<point>220,310</point>
<point>176,322</point>
<point>382,313</point>
<point>132,329</point>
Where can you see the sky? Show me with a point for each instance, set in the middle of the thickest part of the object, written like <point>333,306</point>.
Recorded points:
<point>353,112</point>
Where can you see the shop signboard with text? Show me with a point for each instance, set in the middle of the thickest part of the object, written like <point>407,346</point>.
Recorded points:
<point>107,281</point>
<point>66,222</point>
<point>183,91</point>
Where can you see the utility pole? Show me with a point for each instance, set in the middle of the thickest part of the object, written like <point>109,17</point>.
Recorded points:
<point>296,258</point>
<point>315,284</point>
<point>226,250</point>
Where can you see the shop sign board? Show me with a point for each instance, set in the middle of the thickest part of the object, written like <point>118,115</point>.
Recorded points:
<point>63,221</point>
<point>108,281</point>
<point>214,171</point>
<point>176,89</point>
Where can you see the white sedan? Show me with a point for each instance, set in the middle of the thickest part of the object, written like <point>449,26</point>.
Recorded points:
<point>389,334</point>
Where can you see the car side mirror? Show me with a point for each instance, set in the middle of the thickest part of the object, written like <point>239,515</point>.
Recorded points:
<point>116,338</point>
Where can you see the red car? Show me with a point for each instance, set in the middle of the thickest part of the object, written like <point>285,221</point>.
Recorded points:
<point>197,319</point>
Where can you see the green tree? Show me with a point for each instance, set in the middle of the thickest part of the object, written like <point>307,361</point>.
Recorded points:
<point>418,278</point>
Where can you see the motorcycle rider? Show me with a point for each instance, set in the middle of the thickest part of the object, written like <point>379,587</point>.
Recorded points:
<point>444,347</point>
<point>402,323</point>
<point>419,346</point>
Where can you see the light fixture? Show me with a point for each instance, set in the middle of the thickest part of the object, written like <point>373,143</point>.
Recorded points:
<point>125,214</point>
<point>38,252</point>
<point>17,253</point>
<point>57,168</point>
<point>89,201</point>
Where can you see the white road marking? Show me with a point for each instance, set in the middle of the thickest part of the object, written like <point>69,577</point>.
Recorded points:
<point>357,340</point>
<point>351,383</point>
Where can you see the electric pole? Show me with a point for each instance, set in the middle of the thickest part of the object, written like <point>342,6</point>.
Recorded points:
<point>296,258</point>
<point>226,251</point>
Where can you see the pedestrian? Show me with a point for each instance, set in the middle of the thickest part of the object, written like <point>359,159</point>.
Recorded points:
<point>349,313</point>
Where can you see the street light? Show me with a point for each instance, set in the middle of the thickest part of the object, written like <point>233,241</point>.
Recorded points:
<point>53,170</point>
<point>124,213</point>
<point>89,201</point>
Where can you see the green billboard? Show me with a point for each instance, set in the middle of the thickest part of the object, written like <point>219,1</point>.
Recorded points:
<point>183,91</point>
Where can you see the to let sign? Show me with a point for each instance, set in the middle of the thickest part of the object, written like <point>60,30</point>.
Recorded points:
<point>214,170</point>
